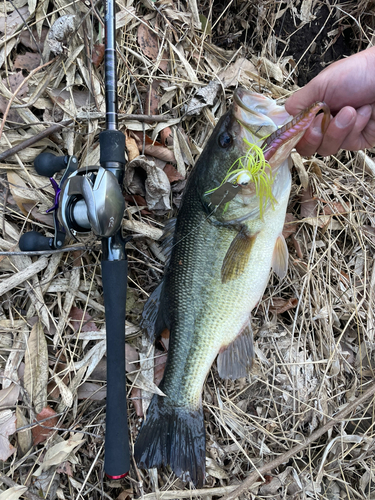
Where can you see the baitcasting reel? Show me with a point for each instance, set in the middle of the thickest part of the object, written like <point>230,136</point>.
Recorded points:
<point>86,199</point>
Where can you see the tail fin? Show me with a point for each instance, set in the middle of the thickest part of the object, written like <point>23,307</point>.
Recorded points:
<point>175,436</point>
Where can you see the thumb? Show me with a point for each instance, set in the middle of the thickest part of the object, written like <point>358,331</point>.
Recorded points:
<point>304,97</point>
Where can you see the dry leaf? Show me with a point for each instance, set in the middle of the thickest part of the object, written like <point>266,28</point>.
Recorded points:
<point>98,54</point>
<point>12,83</point>
<point>148,42</point>
<point>172,173</point>
<point>36,367</point>
<point>152,99</point>
<point>9,396</point>
<point>160,152</point>
<point>20,191</point>
<point>24,437</point>
<point>13,20</point>
<point>28,61</point>
<point>289,228</point>
<point>203,97</point>
<point>157,185</point>
<point>236,72</point>
<point>94,392</point>
<point>81,321</point>
<point>131,146</point>
<point>7,428</point>
<point>59,453</point>
<point>29,42</point>
<point>60,32</point>
<point>13,493</point>
<point>281,305</point>
<point>42,432</point>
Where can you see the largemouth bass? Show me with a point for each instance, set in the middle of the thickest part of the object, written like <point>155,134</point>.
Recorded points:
<point>228,235</point>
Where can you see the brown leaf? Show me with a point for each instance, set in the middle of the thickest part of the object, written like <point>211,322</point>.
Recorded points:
<point>160,362</point>
<point>152,99</point>
<point>334,208</point>
<point>28,61</point>
<point>94,392</point>
<point>309,204</point>
<point>42,432</point>
<point>29,42</point>
<point>131,146</point>
<point>166,136</point>
<point>172,173</point>
<point>65,468</point>
<point>97,54</point>
<point>19,191</point>
<point>7,428</point>
<point>160,152</point>
<point>131,358</point>
<point>12,83</point>
<point>46,219</point>
<point>136,398</point>
<point>148,42</point>
<point>36,367</point>
<point>9,396</point>
<point>24,436</point>
<point>281,305</point>
<point>126,495</point>
<point>289,228</point>
<point>82,321</point>
<point>13,20</point>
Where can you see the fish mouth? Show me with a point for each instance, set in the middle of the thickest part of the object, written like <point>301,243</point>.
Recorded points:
<point>269,126</point>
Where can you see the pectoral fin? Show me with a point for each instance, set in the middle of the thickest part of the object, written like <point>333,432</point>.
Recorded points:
<point>235,360</point>
<point>237,256</point>
<point>280,257</point>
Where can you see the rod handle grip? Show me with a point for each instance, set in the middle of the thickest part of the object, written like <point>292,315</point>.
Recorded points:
<point>117,455</point>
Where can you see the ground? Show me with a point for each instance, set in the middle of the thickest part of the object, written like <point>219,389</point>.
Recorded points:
<point>313,332</point>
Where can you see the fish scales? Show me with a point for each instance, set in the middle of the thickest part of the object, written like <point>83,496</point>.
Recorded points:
<point>228,235</point>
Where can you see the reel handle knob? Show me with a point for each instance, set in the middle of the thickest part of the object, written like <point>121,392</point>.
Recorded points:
<point>47,164</point>
<point>33,241</point>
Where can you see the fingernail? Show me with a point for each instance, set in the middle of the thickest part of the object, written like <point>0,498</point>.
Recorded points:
<point>365,110</point>
<point>344,118</point>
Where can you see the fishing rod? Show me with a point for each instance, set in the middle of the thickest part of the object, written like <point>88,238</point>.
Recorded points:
<point>90,200</point>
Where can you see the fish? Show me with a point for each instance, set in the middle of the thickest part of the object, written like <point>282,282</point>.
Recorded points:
<point>222,246</point>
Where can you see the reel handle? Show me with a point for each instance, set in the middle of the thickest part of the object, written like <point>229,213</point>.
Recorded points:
<point>47,164</point>
<point>33,241</point>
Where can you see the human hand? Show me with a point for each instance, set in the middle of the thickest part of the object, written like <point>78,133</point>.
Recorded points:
<point>348,88</point>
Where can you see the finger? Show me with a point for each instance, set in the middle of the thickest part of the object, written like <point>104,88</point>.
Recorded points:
<point>312,138</point>
<point>338,129</point>
<point>306,96</point>
<point>362,128</point>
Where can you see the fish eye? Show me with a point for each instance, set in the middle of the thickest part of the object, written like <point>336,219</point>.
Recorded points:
<point>225,140</point>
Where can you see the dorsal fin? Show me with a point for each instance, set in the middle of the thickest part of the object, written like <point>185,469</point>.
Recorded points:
<point>152,317</point>
<point>166,241</point>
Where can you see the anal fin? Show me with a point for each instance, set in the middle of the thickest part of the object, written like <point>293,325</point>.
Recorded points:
<point>235,360</point>
<point>152,320</point>
<point>280,257</point>
<point>237,256</point>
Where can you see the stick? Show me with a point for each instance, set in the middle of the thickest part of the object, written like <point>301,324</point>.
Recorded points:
<point>32,140</point>
<point>255,475</point>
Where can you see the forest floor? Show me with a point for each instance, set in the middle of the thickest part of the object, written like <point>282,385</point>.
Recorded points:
<point>313,332</point>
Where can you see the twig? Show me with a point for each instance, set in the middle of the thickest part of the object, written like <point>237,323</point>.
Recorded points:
<point>266,468</point>
<point>32,140</point>
<point>32,73</point>
<point>47,252</point>
<point>169,495</point>
<point>9,482</point>
<point>146,118</point>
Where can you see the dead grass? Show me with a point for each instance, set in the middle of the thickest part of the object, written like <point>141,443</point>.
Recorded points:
<point>314,331</point>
